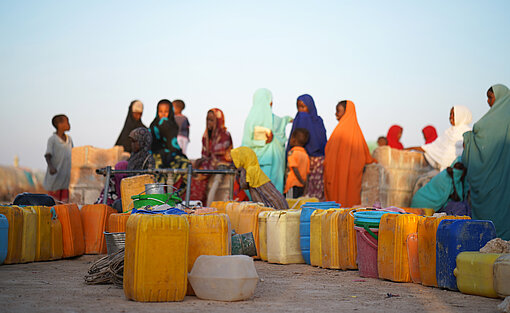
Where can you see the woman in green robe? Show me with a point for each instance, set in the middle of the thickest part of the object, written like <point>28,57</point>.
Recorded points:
<point>487,158</point>
<point>264,133</point>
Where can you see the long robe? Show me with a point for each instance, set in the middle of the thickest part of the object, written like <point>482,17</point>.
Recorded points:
<point>130,124</point>
<point>487,158</point>
<point>346,155</point>
<point>271,156</point>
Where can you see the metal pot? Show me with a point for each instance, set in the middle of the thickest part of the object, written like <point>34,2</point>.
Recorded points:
<point>157,188</point>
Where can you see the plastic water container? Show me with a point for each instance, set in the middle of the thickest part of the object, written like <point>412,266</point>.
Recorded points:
<point>233,210</point>
<point>117,222</point>
<point>94,219</point>
<point>56,246</point>
<point>220,205</point>
<point>29,238</point>
<point>454,237</point>
<point>502,275</point>
<point>131,186</point>
<point>4,237</point>
<point>283,237</point>
<point>43,242</point>
<point>295,204</point>
<point>263,234</point>
<point>304,224</point>
<point>427,229</point>
<point>249,222</point>
<point>330,235</point>
<point>420,211</point>
<point>392,257</point>
<point>414,260</point>
<point>224,278</point>
<point>316,237</point>
<point>347,240</point>
<point>367,251</point>
<point>208,235</point>
<point>15,220</point>
<point>474,273</point>
<point>156,257</point>
<point>73,243</point>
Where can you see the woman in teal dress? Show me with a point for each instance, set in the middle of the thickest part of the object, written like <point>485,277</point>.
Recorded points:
<point>264,133</point>
<point>487,158</point>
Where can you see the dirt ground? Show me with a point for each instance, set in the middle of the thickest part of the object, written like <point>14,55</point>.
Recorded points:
<point>59,287</point>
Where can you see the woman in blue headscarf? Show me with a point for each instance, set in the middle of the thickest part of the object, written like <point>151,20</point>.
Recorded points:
<point>487,158</point>
<point>264,133</point>
<point>308,118</point>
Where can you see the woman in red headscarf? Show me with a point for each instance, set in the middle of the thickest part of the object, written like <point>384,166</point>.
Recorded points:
<point>216,146</point>
<point>346,156</point>
<point>393,137</point>
<point>429,134</point>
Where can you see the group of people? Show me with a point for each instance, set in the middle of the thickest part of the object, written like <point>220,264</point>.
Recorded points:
<point>310,164</point>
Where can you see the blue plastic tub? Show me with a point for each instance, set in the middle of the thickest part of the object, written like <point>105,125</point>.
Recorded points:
<point>454,237</point>
<point>4,237</point>
<point>307,210</point>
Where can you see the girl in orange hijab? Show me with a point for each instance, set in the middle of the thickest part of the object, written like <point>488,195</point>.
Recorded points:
<point>346,155</point>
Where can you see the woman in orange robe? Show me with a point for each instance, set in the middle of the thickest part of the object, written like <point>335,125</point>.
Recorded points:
<point>346,155</point>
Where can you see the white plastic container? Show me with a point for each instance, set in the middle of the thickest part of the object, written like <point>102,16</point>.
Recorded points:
<point>502,275</point>
<point>224,278</point>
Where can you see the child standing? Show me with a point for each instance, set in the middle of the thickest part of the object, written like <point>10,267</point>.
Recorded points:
<point>298,164</point>
<point>183,123</point>
<point>58,157</point>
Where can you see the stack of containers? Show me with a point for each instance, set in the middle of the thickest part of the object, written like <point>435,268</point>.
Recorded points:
<point>307,210</point>
<point>453,237</point>
<point>367,230</point>
<point>427,229</point>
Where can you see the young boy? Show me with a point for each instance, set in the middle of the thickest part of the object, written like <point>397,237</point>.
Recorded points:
<point>182,121</point>
<point>58,157</point>
<point>382,141</point>
<point>298,164</point>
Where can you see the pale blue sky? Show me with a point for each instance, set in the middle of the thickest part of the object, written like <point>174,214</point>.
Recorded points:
<point>400,62</point>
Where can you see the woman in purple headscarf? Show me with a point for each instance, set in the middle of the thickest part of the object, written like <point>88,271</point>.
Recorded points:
<point>307,118</point>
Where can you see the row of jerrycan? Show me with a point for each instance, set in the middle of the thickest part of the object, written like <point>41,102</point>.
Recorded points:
<point>161,249</point>
<point>37,233</point>
<point>33,234</point>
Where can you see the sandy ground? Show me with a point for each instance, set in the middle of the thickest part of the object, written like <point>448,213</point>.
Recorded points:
<point>59,287</point>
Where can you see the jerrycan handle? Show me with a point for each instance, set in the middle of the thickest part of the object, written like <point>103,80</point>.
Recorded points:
<point>53,214</point>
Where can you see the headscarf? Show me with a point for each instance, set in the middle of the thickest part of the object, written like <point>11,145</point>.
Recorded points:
<point>346,155</point>
<point>143,158</point>
<point>443,151</point>
<point>487,158</point>
<point>315,126</point>
<point>129,124</point>
<point>164,131</point>
<point>244,157</point>
<point>430,133</point>
<point>392,137</point>
<point>216,147</point>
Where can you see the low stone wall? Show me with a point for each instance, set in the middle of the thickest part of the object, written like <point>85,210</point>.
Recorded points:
<point>85,185</point>
<point>391,181</point>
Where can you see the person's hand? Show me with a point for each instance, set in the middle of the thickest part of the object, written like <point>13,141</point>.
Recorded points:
<point>53,171</point>
<point>269,137</point>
